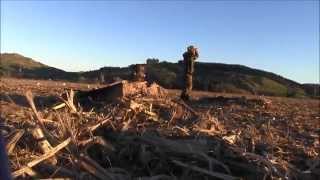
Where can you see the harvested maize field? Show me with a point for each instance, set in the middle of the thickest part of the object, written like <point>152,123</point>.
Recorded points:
<point>67,130</point>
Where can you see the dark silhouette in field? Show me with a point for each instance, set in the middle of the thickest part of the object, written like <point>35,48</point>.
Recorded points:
<point>189,58</point>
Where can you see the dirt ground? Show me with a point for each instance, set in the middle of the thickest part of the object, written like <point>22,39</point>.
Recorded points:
<point>261,132</point>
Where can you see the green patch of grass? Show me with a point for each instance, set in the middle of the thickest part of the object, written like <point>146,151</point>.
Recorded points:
<point>271,87</point>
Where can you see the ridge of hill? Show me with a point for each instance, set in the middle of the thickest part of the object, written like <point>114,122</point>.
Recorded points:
<point>13,60</point>
<point>215,77</point>
<point>16,65</point>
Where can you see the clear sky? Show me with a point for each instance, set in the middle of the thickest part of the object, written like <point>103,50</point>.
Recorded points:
<point>281,37</point>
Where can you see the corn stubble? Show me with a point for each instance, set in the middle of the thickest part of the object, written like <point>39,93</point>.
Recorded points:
<point>153,136</point>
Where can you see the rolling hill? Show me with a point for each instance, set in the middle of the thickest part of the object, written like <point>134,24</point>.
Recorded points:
<point>16,65</point>
<point>215,77</point>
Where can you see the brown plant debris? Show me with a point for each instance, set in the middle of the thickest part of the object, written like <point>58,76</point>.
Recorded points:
<point>140,131</point>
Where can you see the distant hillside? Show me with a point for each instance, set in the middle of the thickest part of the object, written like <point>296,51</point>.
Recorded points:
<point>312,89</point>
<point>16,65</point>
<point>211,77</point>
<point>13,61</point>
<point>208,76</point>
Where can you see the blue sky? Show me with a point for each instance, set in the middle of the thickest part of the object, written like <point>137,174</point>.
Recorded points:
<point>281,37</point>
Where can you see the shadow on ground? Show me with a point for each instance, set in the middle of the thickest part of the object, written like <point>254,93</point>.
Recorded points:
<point>41,102</point>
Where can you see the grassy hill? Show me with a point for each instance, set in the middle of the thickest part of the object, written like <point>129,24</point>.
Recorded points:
<point>208,76</point>
<point>10,62</point>
<point>16,65</point>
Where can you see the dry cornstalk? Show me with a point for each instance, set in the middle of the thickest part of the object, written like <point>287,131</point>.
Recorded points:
<point>141,108</point>
<point>29,97</point>
<point>43,157</point>
<point>13,139</point>
<point>31,172</point>
<point>184,130</point>
<point>45,132</point>
<point>70,101</point>
<point>39,119</point>
<point>59,106</point>
<point>43,143</point>
<point>212,131</point>
<point>100,124</point>
<point>50,122</point>
<point>135,106</point>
